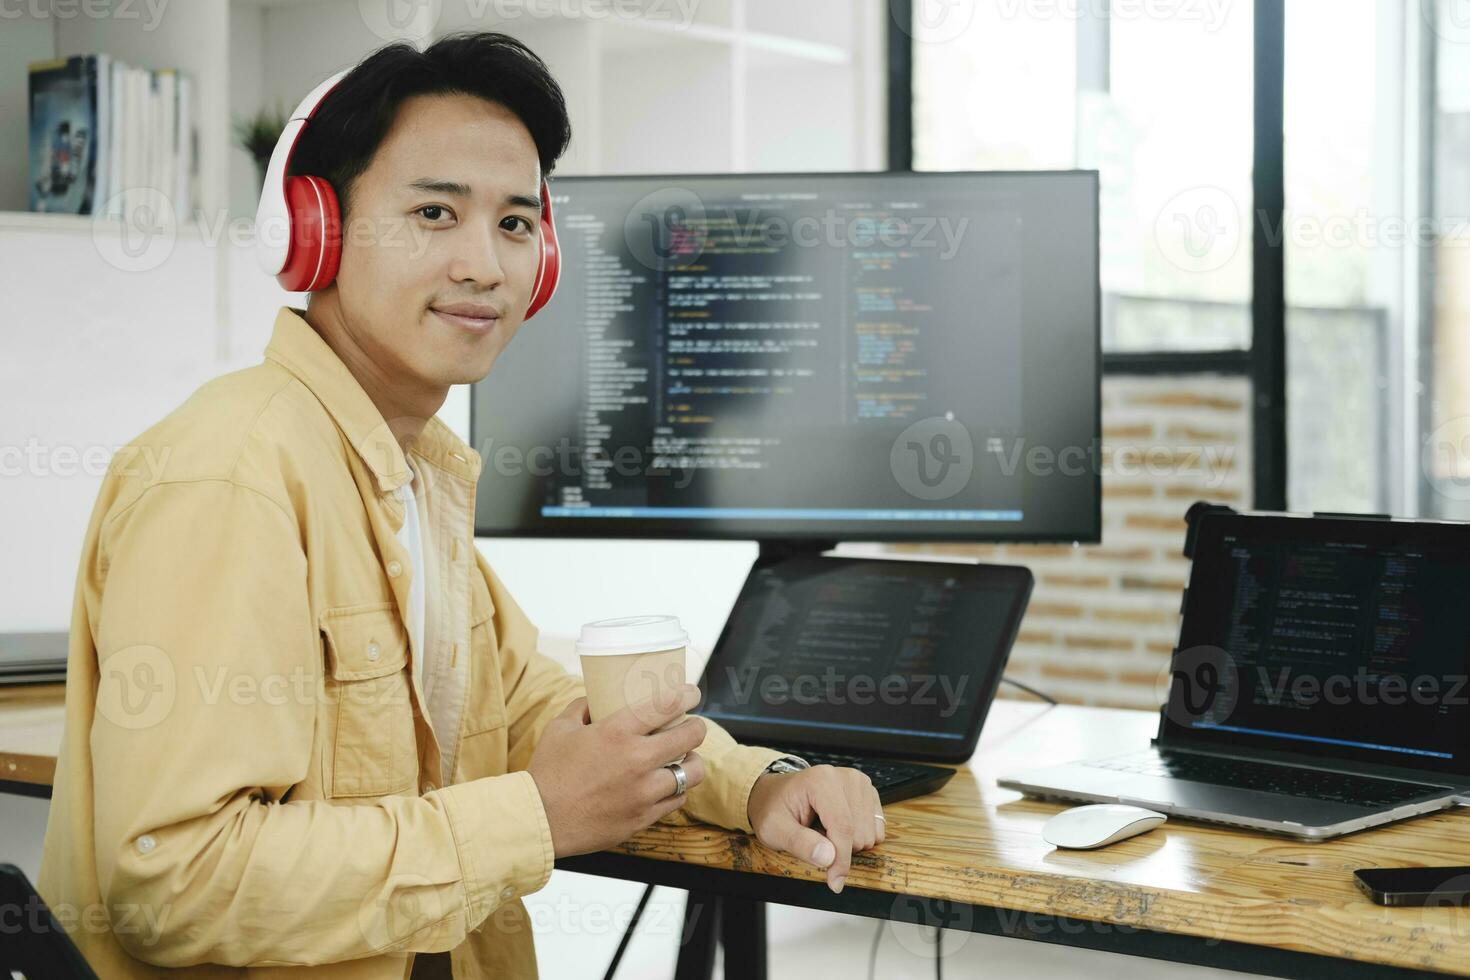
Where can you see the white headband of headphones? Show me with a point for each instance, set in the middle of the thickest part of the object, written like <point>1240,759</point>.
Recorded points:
<point>272,222</point>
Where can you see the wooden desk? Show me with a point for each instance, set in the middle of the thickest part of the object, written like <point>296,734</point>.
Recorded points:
<point>971,857</point>
<point>30,736</point>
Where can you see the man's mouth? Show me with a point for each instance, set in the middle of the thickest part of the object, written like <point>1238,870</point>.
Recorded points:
<point>476,317</point>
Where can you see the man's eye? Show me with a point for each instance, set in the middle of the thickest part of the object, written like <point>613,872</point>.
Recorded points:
<point>432,212</point>
<point>516,223</point>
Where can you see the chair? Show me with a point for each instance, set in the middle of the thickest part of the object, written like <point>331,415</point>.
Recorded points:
<point>32,943</point>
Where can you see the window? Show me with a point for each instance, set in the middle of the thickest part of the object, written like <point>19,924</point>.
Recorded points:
<point>1444,316</point>
<point>1345,248</point>
<point>1159,98</point>
<point>1155,97</point>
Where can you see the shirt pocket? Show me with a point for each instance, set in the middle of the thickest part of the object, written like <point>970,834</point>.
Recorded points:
<point>373,750</point>
<point>486,708</point>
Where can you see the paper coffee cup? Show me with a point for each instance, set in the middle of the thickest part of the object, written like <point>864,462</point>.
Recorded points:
<point>631,660</point>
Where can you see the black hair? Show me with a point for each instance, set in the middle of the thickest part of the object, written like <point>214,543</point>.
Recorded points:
<point>351,122</point>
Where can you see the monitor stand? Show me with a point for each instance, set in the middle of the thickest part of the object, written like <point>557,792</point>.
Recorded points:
<point>775,550</point>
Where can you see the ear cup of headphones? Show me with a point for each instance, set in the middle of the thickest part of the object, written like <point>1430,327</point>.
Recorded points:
<point>548,269</point>
<point>316,235</point>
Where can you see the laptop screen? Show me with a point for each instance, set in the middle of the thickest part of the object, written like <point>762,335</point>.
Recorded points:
<point>1341,638</point>
<point>886,656</point>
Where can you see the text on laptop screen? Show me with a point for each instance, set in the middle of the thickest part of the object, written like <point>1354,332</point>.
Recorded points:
<point>1345,638</point>
<point>863,646</point>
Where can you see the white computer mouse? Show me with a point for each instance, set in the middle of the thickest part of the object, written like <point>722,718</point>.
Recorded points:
<point>1098,825</point>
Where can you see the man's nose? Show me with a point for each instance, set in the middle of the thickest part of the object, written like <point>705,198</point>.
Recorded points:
<point>475,259</point>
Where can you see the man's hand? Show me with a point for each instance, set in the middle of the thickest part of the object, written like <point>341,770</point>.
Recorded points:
<point>783,806</point>
<point>603,781</point>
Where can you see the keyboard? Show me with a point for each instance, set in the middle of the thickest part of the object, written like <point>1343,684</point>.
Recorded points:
<point>894,781</point>
<point>1315,784</point>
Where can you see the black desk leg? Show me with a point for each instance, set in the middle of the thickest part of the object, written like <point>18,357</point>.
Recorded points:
<point>743,936</point>
<point>737,924</point>
<point>698,938</point>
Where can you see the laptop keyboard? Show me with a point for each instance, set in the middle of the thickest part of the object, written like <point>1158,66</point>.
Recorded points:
<point>881,771</point>
<point>1316,784</point>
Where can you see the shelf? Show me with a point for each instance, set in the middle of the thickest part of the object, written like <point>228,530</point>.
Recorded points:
<point>44,221</point>
<point>73,223</point>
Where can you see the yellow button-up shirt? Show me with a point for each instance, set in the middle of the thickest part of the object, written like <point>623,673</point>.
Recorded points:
<point>248,776</point>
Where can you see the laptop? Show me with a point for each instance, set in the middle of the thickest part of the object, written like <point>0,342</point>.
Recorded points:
<point>1319,683</point>
<point>881,665</point>
<point>33,658</point>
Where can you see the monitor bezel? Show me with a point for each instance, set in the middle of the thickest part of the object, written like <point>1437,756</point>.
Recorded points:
<point>986,532</point>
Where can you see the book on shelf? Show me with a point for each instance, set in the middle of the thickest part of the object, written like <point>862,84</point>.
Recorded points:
<point>108,138</point>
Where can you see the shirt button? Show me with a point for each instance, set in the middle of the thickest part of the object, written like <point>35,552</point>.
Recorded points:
<point>507,892</point>
<point>373,651</point>
<point>395,568</point>
<point>146,843</point>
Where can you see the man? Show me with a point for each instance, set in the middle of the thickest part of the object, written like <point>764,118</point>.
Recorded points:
<point>306,725</point>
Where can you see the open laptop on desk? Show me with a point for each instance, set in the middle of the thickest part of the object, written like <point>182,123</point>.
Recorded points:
<point>865,662</point>
<point>33,658</point>
<point>1319,684</point>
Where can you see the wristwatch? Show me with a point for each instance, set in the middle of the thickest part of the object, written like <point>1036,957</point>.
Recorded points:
<point>788,763</point>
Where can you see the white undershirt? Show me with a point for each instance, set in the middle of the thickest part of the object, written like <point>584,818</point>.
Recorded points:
<point>411,537</point>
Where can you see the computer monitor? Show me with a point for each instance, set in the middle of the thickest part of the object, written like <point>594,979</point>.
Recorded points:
<point>860,357</point>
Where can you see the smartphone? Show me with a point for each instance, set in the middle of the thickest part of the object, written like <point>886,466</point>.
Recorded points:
<point>1416,886</point>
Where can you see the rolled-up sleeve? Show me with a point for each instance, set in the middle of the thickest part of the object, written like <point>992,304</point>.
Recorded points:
<point>210,682</point>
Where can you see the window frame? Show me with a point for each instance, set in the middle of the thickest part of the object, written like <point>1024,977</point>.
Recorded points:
<point>1265,361</point>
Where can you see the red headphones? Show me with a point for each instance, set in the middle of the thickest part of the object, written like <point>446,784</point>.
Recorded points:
<point>298,226</point>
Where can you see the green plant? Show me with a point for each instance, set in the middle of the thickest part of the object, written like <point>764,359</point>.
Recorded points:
<point>257,135</point>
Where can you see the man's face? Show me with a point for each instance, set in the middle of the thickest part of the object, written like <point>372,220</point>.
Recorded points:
<point>441,241</point>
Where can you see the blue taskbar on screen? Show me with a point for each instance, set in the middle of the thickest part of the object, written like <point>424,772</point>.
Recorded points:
<point>1325,740</point>
<point>786,513</point>
<point>807,723</point>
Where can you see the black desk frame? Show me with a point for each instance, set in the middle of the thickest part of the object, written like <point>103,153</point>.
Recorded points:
<point>15,787</point>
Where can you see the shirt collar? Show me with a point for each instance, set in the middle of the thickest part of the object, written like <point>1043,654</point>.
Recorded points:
<point>297,347</point>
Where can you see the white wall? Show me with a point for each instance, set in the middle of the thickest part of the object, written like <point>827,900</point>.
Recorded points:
<point>81,377</point>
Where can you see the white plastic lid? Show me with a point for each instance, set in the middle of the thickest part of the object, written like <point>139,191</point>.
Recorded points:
<point>631,634</point>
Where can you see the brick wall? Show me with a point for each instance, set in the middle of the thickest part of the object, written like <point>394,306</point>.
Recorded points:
<point>1104,617</point>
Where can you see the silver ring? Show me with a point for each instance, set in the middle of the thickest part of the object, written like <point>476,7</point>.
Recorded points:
<point>681,781</point>
<point>879,816</point>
